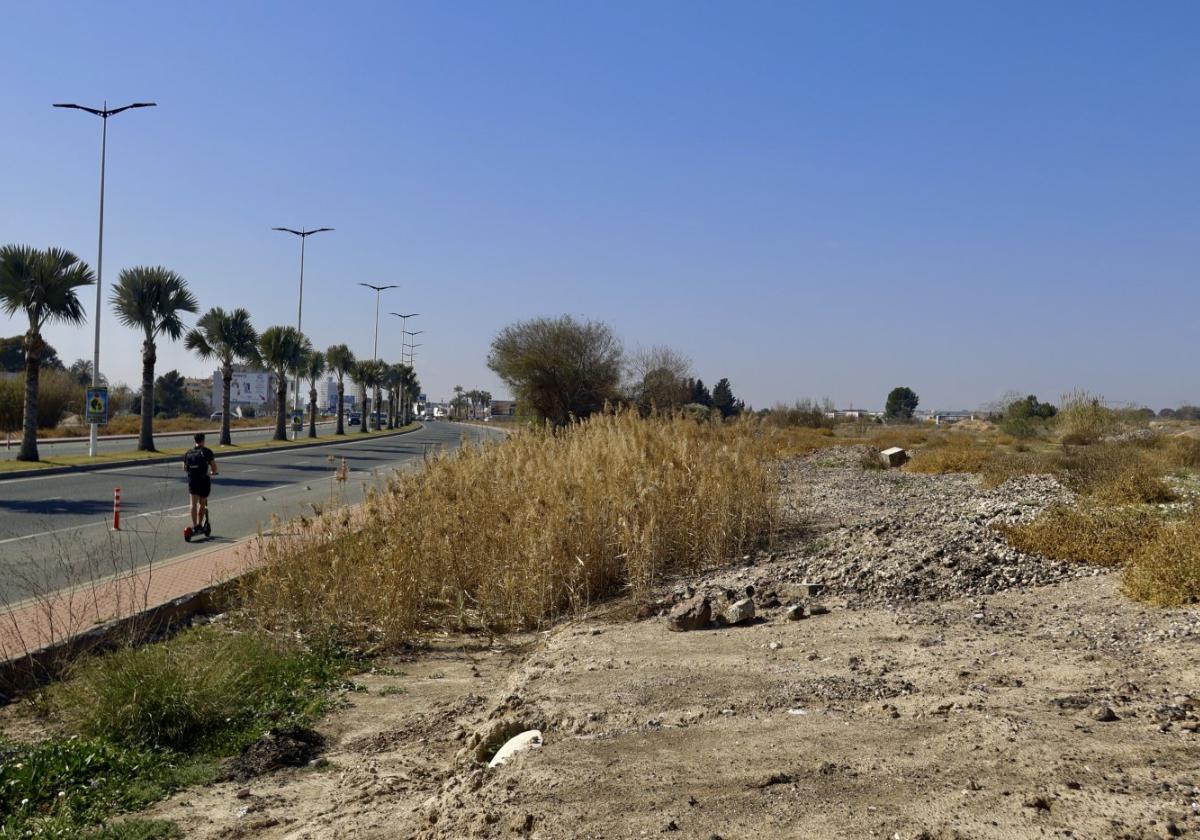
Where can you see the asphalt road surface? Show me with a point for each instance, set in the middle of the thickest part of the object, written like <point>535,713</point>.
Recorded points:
<point>55,530</point>
<point>51,447</point>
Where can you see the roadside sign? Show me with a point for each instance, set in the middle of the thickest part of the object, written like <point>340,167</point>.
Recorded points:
<point>96,405</point>
<point>297,420</point>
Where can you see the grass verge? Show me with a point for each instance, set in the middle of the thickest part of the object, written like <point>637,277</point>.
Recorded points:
<point>12,465</point>
<point>135,724</point>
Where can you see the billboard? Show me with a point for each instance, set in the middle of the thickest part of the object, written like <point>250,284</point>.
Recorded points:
<point>246,388</point>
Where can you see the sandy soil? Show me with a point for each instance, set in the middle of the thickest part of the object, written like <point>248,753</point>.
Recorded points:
<point>1060,710</point>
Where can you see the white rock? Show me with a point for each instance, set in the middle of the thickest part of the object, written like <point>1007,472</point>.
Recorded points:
<point>529,739</point>
<point>739,612</point>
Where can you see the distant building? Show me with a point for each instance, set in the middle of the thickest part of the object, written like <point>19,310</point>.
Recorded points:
<point>504,408</point>
<point>198,388</point>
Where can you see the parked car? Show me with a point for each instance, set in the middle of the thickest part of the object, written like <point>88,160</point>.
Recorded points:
<point>217,416</point>
<point>354,420</point>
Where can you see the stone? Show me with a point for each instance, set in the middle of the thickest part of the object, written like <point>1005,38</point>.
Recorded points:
<point>796,613</point>
<point>692,614</point>
<point>739,612</point>
<point>775,645</point>
<point>1105,714</point>
<point>529,739</point>
<point>817,609</point>
<point>894,457</point>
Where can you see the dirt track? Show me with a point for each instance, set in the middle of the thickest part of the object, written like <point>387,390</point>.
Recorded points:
<point>962,717</point>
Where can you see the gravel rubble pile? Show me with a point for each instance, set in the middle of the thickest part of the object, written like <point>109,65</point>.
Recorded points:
<point>900,537</point>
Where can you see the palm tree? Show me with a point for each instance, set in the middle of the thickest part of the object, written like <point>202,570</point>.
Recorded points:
<point>485,400</point>
<point>227,337</point>
<point>412,388</point>
<point>393,379</point>
<point>313,369</point>
<point>43,284</point>
<point>368,374</point>
<point>151,298</point>
<point>457,402</point>
<point>340,362</point>
<point>283,350</point>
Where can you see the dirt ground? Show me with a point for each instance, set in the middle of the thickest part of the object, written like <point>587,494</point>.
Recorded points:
<point>1054,710</point>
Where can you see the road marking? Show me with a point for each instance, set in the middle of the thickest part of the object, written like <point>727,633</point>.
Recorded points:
<point>104,522</point>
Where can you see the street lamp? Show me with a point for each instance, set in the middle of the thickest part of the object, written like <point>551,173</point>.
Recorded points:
<point>403,328</point>
<point>411,336</point>
<point>375,352</point>
<point>378,289</point>
<point>103,113</point>
<point>303,233</point>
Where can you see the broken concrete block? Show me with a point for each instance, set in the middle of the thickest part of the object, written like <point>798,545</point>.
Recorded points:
<point>894,457</point>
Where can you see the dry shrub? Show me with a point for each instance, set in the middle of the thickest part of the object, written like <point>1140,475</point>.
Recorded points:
<point>1166,570</point>
<point>1180,451</point>
<point>906,437</point>
<point>1084,419</point>
<point>952,454</point>
<point>1117,473</point>
<point>1098,535</point>
<point>510,534</point>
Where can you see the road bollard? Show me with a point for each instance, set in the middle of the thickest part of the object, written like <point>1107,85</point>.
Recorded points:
<point>116,508</point>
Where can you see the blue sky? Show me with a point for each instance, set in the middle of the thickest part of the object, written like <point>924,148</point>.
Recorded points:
<point>813,199</point>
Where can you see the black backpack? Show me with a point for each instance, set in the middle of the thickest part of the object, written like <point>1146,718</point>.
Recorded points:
<point>196,462</point>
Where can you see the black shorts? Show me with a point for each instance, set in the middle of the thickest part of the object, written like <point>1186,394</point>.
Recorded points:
<point>200,486</point>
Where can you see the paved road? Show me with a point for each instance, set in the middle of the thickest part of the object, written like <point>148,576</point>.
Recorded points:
<point>50,447</point>
<point>55,530</point>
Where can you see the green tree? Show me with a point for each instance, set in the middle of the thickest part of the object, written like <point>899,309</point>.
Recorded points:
<point>724,401</point>
<point>42,284</point>
<point>313,369</point>
<point>227,337</point>
<point>559,368</point>
<point>700,394</point>
<point>12,355</point>
<point>901,403</point>
<point>283,350</point>
<point>151,299</point>
<point>340,362</point>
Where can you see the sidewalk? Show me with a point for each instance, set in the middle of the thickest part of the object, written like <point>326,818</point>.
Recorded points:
<point>42,622</point>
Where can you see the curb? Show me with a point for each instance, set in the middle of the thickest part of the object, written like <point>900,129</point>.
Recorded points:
<point>137,462</point>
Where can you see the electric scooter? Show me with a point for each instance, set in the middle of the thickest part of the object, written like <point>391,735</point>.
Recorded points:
<point>205,528</point>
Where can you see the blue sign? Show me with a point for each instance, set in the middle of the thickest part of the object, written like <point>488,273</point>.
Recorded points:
<point>96,405</point>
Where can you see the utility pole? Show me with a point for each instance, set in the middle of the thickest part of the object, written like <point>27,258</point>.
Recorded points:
<point>103,113</point>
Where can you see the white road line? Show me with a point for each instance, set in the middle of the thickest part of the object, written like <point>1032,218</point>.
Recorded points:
<point>104,522</point>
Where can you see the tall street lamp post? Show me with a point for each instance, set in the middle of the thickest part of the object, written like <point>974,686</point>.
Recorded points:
<point>303,233</point>
<point>103,113</point>
<point>403,324</point>
<point>375,351</point>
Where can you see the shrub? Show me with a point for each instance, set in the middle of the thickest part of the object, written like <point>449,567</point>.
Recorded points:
<point>513,533</point>
<point>204,690</point>
<point>1084,419</point>
<point>808,413</point>
<point>1116,473</point>
<point>951,454</point>
<point>1166,570</point>
<point>1086,534</point>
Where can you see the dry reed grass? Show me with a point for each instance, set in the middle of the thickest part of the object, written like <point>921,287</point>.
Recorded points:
<point>511,534</point>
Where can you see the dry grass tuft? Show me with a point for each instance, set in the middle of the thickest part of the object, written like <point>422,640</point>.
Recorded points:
<point>1102,536</point>
<point>1166,571</point>
<point>511,534</point>
<point>952,454</point>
